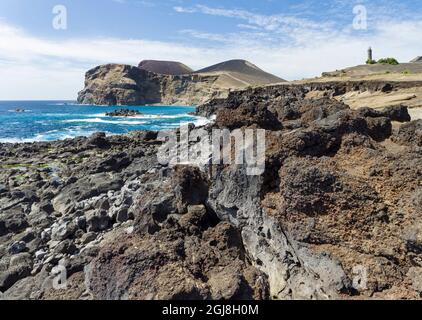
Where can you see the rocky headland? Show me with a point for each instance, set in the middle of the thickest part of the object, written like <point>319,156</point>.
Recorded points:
<point>164,82</point>
<point>337,213</point>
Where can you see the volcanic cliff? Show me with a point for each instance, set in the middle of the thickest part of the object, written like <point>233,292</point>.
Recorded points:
<point>165,82</point>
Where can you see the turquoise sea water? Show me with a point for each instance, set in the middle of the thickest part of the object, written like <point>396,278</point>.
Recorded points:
<point>56,120</point>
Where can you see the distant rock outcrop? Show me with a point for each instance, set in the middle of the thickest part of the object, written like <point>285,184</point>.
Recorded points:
<point>172,68</point>
<point>243,70</point>
<point>417,60</point>
<point>123,113</point>
<point>116,84</point>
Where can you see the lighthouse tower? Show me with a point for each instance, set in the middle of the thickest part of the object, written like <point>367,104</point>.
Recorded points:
<point>370,54</point>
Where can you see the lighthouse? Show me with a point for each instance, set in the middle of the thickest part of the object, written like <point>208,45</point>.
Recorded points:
<point>370,54</point>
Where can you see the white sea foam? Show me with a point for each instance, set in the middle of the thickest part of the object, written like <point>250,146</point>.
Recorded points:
<point>99,120</point>
<point>95,115</point>
<point>37,138</point>
<point>23,110</point>
<point>53,135</point>
<point>199,121</point>
<point>144,116</point>
<point>17,140</point>
<point>70,103</point>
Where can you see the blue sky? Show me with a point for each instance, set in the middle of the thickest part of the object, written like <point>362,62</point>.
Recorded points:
<point>293,39</point>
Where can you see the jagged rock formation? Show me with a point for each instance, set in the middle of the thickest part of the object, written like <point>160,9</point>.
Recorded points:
<point>122,225</point>
<point>336,214</point>
<point>345,195</point>
<point>123,113</point>
<point>115,84</point>
<point>165,67</point>
<point>126,85</point>
<point>343,91</point>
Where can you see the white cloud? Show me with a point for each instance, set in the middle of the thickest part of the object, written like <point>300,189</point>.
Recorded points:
<point>36,68</point>
<point>184,10</point>
<point>266,22</point>
<point>247,26</point>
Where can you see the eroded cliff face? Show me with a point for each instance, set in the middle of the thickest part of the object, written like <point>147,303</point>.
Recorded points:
<point>116,84</point>
<point>191,89</point>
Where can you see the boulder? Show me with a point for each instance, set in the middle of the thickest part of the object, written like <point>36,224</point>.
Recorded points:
<point>13,221</point>
<point>397,113</point>
<point>88,237</point>
<point>380,128</point>
<point>63,230</point>
<point>190,186</point>
<point>409,134</point>
<point>17,247</point>
<point>12,275</point>
<point>97,220</point>
<point>20,259</point>
<point>40,254</point>
<point>113,163</point>
<point>122,214</point>
<point>65,247</point>
<point>98,140</point>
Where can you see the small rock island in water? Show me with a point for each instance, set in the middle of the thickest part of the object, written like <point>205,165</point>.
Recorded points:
<point>124,113</point>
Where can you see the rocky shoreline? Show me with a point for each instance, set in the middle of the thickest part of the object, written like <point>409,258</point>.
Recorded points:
<point>341,193</point>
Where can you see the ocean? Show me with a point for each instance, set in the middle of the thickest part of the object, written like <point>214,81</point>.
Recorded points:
<point>57,120</point>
